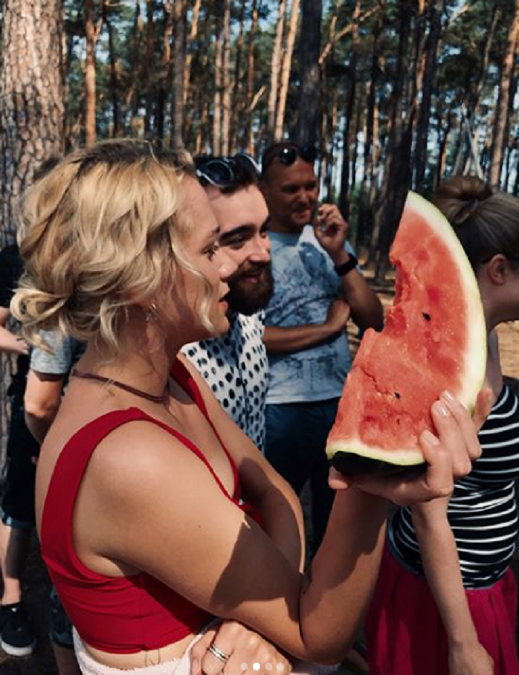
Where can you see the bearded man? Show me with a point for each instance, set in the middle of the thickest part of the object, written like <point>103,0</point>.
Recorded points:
<point>235,366</point>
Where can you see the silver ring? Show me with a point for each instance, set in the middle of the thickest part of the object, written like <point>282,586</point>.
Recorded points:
<point>221,656</point>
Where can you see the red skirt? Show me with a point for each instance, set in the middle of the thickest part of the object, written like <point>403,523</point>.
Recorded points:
<point>405,634</point>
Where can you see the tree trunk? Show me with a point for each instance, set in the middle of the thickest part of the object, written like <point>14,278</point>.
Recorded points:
<point>330,145</point>
<point>132,92</point>
<point>226,78</point>
<point>436,8</point>
<point>251,61</point>
<point>218,72</point>
<point>149,68</point>
<point>114,96</point>
<point>286,66</point>
<point>189,47</point>
<point>446,127</point>
<point>199,96</point>
<point>165,71</point>
<point>310,76</point>
<point>71,128</point>
<point>90,73</point>
<point>397,178</point>
<point>350,106</point>
<point>498,136</point>
<point>237,100</point>
<point>177,134</point>
<point>31,117</point>
<point>366,201</point>
<point>275,69</point>
<point>475,96</point>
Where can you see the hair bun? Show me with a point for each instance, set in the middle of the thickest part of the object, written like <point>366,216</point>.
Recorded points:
<point>459,197</point>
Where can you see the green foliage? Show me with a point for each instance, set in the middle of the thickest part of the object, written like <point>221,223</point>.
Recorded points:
<point>142,89</point>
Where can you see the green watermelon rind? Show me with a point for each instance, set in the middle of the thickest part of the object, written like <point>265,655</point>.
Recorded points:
<point>474,363</point>
<point>407,457</point>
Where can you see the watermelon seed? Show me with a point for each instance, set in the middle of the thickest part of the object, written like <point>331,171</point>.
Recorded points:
<point>426,316</point>
<point>397,394</point>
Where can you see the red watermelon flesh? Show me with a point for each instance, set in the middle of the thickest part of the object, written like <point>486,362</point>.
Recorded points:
<point>434,339</point>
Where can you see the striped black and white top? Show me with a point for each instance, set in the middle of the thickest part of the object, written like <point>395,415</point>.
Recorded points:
<point>483,508</point>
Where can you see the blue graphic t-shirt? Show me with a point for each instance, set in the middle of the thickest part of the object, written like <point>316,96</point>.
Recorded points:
<point>305,285</point>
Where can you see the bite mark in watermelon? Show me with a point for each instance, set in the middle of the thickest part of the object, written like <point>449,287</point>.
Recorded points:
<point>434,339</point>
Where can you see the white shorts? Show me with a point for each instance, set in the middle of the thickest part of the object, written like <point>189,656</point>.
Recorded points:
<point>181,666</point>
<point>90,666</point>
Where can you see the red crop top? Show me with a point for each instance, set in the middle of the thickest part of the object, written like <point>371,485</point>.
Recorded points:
<point>115,614</point>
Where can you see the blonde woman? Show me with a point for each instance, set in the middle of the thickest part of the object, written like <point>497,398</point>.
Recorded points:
<point>156,513</point>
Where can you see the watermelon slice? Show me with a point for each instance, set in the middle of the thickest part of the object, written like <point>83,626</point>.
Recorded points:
<point>434,339</point>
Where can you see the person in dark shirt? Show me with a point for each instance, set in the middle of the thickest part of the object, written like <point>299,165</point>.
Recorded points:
<point>17,512</point>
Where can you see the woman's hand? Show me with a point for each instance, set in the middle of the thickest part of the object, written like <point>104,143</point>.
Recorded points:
<point>473,659</point>
<point>248,653</point>
<point>448,455</point>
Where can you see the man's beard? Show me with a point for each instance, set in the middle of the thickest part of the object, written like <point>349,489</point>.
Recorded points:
<point>248,298</point>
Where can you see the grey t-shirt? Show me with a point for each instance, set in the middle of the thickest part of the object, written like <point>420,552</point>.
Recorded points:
<point>65,352</point>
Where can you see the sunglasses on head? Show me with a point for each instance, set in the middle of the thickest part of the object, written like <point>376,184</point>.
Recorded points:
<point>287,155</point>
<point>221,171</point>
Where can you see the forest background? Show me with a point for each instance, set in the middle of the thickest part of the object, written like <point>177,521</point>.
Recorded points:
<point>395,94</point>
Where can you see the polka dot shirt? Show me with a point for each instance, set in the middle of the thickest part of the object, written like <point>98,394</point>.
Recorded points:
<point>235,366</point>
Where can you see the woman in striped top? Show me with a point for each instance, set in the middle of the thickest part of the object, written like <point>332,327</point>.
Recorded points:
<point>445,602</point>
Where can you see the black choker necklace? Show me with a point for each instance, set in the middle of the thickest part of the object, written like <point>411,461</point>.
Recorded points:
<point>126,387</point>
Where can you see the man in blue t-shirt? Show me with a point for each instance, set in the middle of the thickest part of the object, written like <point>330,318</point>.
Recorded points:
<point>317,287</point>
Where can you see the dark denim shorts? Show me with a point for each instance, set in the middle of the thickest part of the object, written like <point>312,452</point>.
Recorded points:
<point>19,472</point>
<point>60,626</point>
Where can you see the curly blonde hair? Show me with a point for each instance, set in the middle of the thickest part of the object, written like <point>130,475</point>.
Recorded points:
<point>101,234</point>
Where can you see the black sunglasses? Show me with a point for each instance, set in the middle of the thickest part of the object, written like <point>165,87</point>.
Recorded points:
<point>287,155</point>
<point>221,171</point>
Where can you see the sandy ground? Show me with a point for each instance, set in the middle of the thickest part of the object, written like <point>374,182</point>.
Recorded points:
<point>36,581</point>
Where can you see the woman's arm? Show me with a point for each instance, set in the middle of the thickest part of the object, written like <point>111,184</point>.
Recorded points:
<point>169,518</point>
<point>442,569</point>
<point>262,487</point>
<point>9,342</point>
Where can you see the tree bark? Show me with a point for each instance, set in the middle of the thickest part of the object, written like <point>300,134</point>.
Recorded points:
<point>398,176</point>
<point>90,73</point>
<point>218,68</point>
<point>114,80</point>
<point>31,117</point>
<point>193,32</point>
<point>226,78</point>
<point>199,95</point>
<point>366,202</point>
<point>436,8</point>
<point>149,68</point>
<point>165,71</point>
<point>178,74</point>
<point>251,62</point>
<point>132,93</point>
<point>286,65</point>
<point>310,76</point>
<point>498,136</point>
<point>350,106</point>
<point>237,99</point>
<point>275,69</point>
<point>445,126</point>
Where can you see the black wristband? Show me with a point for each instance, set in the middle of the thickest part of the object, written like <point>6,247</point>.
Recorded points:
<point>346,267</point>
